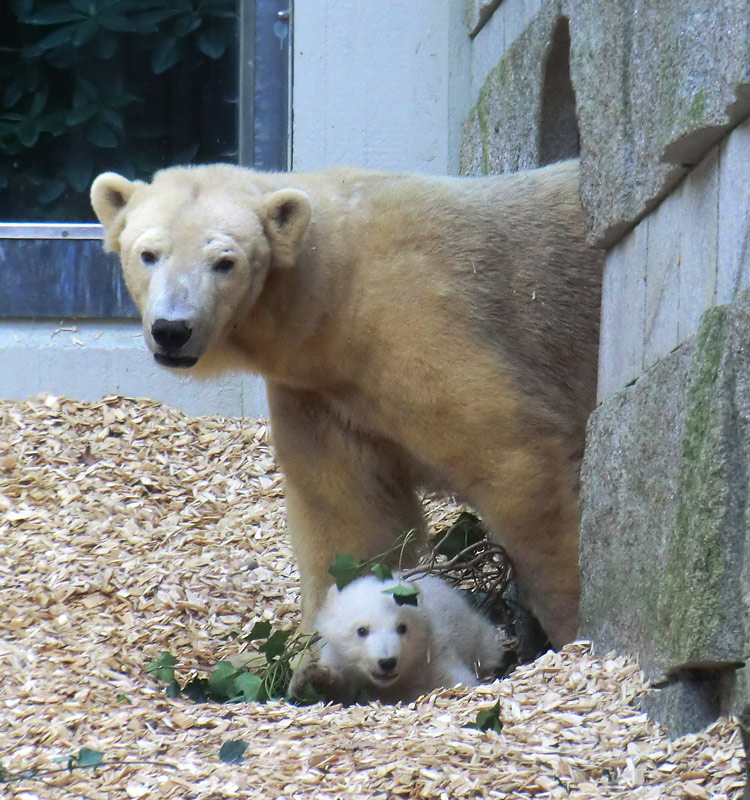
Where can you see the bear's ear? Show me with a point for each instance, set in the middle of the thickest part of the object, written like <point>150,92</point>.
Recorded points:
<point>109,194</point>
<point>286,215</point>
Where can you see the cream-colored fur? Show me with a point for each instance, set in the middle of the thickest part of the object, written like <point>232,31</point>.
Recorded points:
<point>413,331</point>
<point>374,647</point>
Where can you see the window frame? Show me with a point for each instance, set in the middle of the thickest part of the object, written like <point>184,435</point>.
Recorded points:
<point>63,261</point>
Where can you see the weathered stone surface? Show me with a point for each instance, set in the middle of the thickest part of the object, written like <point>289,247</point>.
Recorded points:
<point>472,147</point>
<point>508,112</point>
<point>690,253</point>
<point>693,701</point>
<point>665,532</point>
<point>478,12</point>
<point>629,477</point>
<point>623,313</point>
<point>734,214</point>
<point>657,84</point>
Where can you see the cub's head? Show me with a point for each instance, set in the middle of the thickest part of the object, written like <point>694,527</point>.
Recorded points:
<point>374,637</point>
<point>196,246</point>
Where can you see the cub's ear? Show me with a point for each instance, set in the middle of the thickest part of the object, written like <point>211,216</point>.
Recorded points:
<point>332,593</point>
<point>286,215</point>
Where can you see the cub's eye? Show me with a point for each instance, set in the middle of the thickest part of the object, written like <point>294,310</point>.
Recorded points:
<point>223,265</point>
<point>401,629</point>
<point>149,257</point>
<point>362,632</point>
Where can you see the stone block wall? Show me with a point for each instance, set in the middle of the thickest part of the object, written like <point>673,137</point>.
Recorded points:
<point>691,252</point>
<point>654,95</point>
<point>657,84</point>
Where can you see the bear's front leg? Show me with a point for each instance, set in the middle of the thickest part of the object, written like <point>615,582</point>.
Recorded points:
<point>346,492</point>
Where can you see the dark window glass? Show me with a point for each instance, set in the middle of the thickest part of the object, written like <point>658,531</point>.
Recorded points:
<point>123,85</point>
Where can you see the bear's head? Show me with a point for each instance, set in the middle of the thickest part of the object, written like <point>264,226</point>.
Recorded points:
<point>377,640</point>
<point>196,246</point>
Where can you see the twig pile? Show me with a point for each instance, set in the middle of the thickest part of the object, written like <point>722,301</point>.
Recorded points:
<point>127,529</point>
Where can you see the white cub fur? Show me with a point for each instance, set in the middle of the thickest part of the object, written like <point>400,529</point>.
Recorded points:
<point>373,646</point>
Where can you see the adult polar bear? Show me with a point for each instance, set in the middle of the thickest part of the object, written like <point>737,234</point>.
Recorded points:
<point>413,331</point>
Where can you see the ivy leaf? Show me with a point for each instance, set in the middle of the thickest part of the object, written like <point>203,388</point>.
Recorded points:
<point>197,690</point>
<point>123,698</point>
<point>404,594</point>
<point>488,719</point>
<point>231,752</point>
<point>274,647</point>
<point>261,630</point>
<point>88,758</point>
<point>162,667</point>
<point>382,572</point>
<point>345,569</point>
<point>221,680</point>
<point>248,685</point>
<point>464,532</point>
<point>173,690</point>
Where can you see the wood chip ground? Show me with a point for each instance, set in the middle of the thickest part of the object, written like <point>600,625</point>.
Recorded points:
<point>127,529</point>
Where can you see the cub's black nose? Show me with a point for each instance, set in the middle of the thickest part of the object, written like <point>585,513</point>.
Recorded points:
<point>171,334</point>
<point>386,664</point>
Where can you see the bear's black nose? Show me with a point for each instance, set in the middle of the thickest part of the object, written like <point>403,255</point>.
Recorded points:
<point>171,334</point>
<point>386,664</point>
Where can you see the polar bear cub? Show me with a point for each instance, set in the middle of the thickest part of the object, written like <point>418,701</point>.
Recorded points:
<point>376,648</point>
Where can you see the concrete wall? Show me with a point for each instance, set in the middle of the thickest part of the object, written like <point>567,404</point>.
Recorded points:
<point>90,359</point>
<point>382,85</point>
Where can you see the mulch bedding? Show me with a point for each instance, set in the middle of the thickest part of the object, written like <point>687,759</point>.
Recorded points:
<point>127,529</point>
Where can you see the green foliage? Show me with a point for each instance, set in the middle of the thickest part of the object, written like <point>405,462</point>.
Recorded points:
<point>405,594</point>
<point>85,758</point>
<point>261,630</point>
<point>345,569</point>
<point>382,572</point>
<point>232,752</point>
<point>464,532</point>
<point>267,678</point>
<point>488,719</point>
<point>163,667</point>
<point>88,85</point>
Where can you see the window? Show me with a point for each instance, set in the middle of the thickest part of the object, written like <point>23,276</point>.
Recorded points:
<point>129,86</point>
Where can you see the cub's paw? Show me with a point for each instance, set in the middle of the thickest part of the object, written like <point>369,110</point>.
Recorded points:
<point>313,678</point>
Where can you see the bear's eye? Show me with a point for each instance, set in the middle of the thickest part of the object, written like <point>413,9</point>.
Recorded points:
<point>401,629</point>
<point>362,632</point>
<point>223,265</point>
<point>149,257</point>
